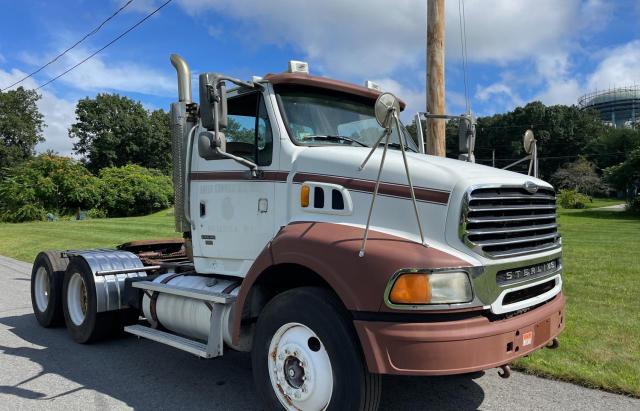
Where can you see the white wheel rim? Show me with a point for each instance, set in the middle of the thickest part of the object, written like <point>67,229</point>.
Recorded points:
<point>300,369</point>
<point>77,299</point>
<point>42,289</point>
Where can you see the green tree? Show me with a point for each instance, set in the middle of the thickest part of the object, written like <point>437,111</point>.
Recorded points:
<point>21,125</point>
<point>113,131</point>
<point>134,190</point>
<point>613,146</point>
<point>626,175</point>
<point>47,183</point>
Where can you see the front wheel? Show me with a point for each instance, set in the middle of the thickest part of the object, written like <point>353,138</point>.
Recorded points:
<point>306,355</point>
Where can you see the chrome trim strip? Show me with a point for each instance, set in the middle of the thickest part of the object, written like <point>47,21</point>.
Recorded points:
<point>498,308</point>
<point>512,229</point>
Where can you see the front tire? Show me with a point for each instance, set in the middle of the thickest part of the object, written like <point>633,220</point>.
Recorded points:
<point>306,355</point>
<point>46,288</point>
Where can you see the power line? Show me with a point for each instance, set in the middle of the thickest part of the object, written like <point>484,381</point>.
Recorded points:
<point>106,45</point>
<point>92,32</point>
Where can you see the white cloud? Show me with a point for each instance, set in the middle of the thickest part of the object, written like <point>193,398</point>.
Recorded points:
<point>621,67</point>
<point>58,114</point>
<point>499,95</point>
<point>100,74</point>
<point>376,38</point>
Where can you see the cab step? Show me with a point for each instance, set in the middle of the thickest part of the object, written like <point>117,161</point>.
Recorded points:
<point>211,296</point>
<point>173,340</point>
<point>216,302</point>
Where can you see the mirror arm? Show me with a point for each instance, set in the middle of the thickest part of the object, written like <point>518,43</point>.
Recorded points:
<point>250,164</point>
<point>241,83</point>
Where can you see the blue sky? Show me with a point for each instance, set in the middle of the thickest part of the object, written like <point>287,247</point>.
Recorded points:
<point>518,51</point>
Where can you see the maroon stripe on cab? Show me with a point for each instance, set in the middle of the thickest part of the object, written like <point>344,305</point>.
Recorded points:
<point>367,186</point>
<point>277,176</point>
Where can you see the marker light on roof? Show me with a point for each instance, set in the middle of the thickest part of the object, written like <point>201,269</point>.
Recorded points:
<point>372,85</point>
<point>298,67</point>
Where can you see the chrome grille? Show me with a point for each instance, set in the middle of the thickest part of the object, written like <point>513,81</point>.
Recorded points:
<point>508,221</point>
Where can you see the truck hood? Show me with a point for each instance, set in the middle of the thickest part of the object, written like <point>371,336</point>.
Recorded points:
<point>437,173</point>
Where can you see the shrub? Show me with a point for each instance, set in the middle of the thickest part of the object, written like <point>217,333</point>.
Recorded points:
<point>47,183</point>
<point>580,176</point>
<point>133,190</point>
<point>96,213</point>
<point>572,199</point>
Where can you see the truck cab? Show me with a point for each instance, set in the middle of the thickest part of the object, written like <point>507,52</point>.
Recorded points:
<point>333,257</point>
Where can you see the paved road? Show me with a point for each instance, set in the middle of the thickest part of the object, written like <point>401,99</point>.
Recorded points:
<point>42,368</point>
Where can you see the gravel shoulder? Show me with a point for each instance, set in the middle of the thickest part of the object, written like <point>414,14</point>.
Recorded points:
<point>42,368</point>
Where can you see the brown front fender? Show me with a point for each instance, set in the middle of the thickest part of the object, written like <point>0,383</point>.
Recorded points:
<point>331,251</point>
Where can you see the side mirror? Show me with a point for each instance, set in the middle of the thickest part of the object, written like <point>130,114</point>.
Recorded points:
<point>209,143</point>
<point>466,138</point>
<point>213,101</point>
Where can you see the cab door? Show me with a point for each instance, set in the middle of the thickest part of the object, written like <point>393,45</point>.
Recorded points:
<point>232,212</point>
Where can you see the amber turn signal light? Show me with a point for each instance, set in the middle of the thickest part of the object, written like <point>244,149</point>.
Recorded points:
<point>304,196</point>
<point>413,288</point>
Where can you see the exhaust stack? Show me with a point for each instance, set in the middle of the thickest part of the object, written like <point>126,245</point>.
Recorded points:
<point>184,78</point>
<point>181,123</point>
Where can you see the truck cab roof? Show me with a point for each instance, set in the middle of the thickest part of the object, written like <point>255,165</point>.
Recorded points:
<point>306,80</point>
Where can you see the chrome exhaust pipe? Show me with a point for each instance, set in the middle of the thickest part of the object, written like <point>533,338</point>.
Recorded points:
<point>184,78</point>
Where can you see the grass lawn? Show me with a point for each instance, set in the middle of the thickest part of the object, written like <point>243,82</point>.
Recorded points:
<point>599,348</point>
<point>24,241</point>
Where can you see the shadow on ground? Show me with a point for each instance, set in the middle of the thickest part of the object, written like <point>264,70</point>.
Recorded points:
<point>146,375</point>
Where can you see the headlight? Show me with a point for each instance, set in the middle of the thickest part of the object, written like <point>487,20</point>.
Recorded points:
<point>431,288</point>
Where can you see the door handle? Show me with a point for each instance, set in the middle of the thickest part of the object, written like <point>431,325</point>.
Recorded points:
<point>203,208</point>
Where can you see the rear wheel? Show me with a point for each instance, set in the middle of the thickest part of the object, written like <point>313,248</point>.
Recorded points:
<point>306,355</point>
<point>79,305</point>
<point>46,288</point>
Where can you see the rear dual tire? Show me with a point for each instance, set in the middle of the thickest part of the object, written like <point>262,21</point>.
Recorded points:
<point>79,305</point>
<point>46,288</point>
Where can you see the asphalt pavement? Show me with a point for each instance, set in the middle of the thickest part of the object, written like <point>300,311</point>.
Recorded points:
<point>44,369</point>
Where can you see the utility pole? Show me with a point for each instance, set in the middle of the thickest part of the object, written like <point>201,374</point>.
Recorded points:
<point>435,128</point>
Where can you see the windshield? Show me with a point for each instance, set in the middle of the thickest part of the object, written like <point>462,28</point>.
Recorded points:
<point>314,118</point>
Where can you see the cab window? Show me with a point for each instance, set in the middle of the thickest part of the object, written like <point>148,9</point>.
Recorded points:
<point>248,132</point>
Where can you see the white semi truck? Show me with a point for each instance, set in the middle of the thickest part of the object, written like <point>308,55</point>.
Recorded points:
<point>319,237</point>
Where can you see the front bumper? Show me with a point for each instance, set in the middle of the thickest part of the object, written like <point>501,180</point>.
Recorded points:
<point>457,347</point>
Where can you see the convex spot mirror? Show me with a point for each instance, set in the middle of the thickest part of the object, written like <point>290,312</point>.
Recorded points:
<point>527,141</point>
<point>385,104</point>
<point>213,101</point>
<point>208,143</point>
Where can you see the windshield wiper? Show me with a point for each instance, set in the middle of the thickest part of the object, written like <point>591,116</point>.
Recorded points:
<point>397,145</point>
<point>334,138</point>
